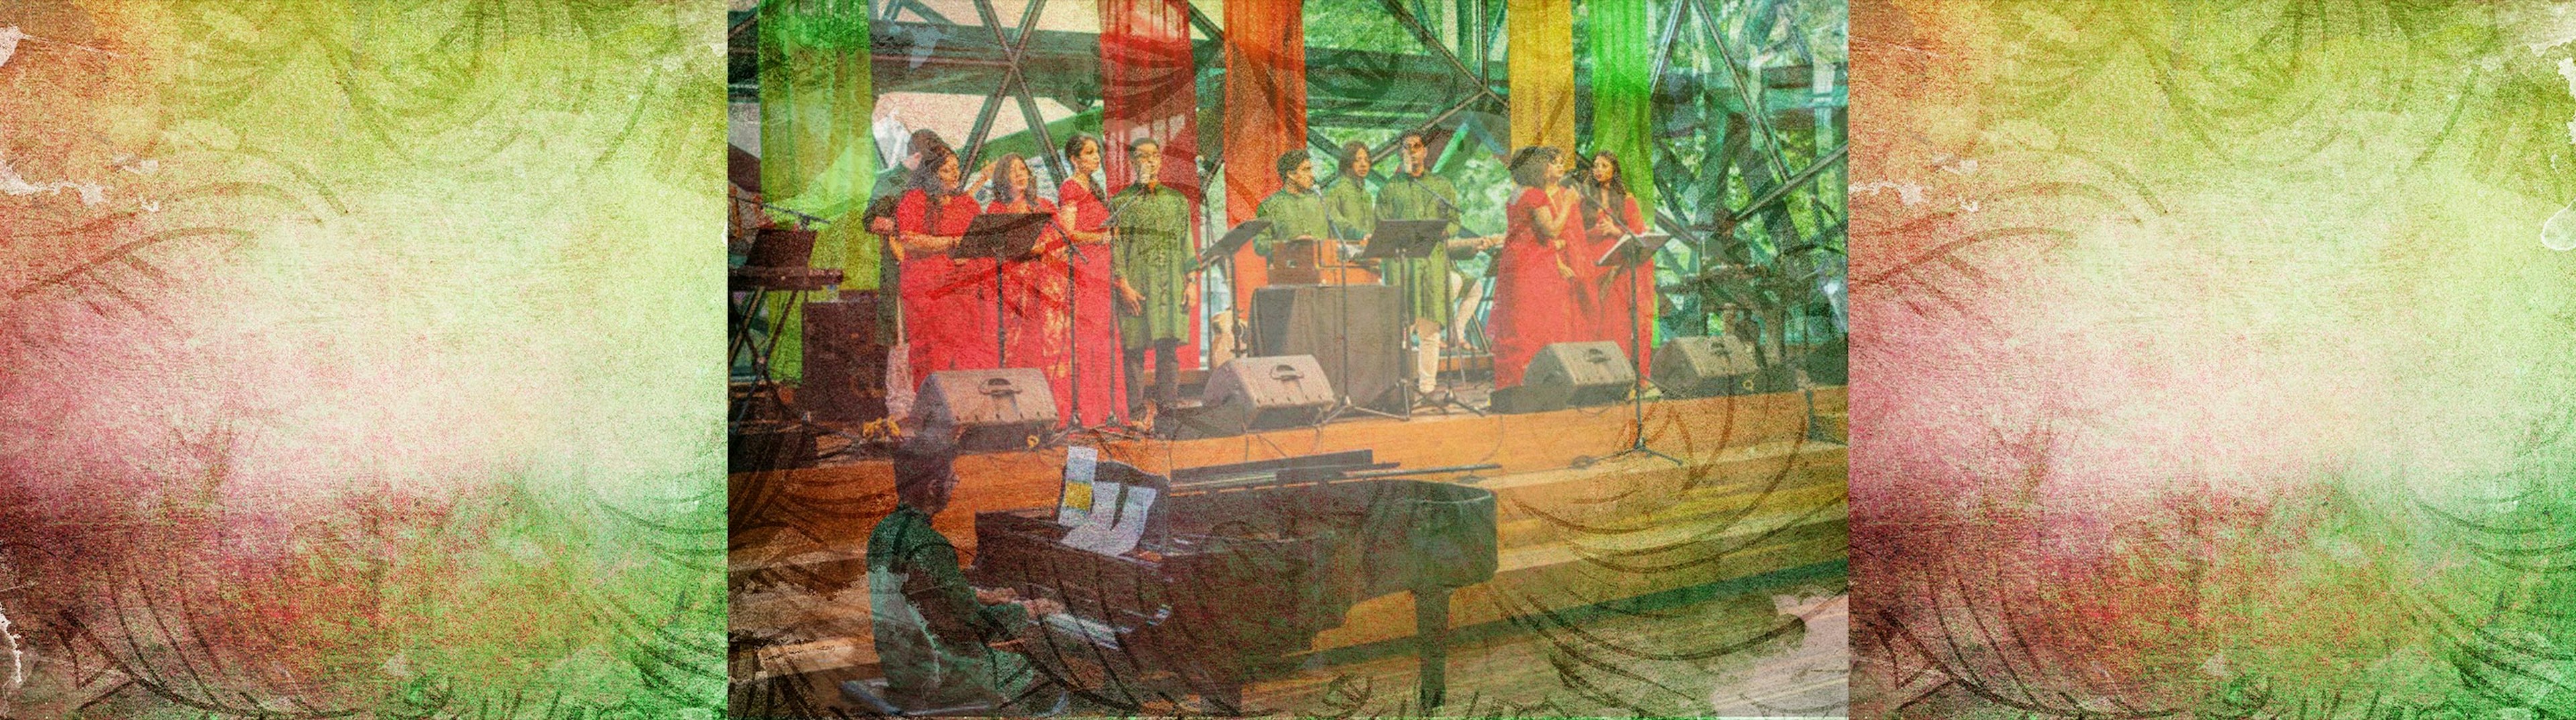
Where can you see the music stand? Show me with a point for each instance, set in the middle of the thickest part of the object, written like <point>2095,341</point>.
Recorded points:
<point>1411,240</point>
<point>1004,237</point>
<point>1632,252</point>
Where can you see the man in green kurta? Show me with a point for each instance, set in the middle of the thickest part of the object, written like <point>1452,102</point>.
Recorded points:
<point>1152,255</point>
<point>1295,212</point>
<point>1346,201</point>
<point>1416,194</point>
<point>930,628</point>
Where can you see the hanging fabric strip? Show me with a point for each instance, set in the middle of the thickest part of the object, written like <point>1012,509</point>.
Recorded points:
<point>1541,58</point>
<point>1149,88</point>
<point>1623,66</point>
<point>817,154</point>
<point>1265,115</point>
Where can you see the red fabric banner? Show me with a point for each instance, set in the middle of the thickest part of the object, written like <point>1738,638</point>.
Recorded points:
<point>1149,88</point>
<point>1265,115</point>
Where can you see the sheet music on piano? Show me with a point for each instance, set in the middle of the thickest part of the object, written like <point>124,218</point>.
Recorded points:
<point>1081,463</point>
<point>1093,533</point>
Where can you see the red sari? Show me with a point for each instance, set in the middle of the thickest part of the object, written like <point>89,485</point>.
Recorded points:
<point>1605,293</point>
<point>948,312</point>
<point>1095,320</point>
<point>1533,304</point>
<point>1035,331</point>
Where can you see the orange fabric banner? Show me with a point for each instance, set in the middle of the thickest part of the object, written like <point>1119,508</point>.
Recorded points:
<point>1265,115</point>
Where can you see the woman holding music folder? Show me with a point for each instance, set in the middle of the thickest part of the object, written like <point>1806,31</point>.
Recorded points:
<point>948,318</point>
<point>1034,329</point>
<point>1083,211</point>
<point>1534,276</point>
<point>1605,295</point>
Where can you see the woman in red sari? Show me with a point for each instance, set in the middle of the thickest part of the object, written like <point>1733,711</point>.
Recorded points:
<point>948,316</point>
<point>1093,360</point>
<point>1610,213</point>
<point>1035,330</point>
<point>1534,275</point>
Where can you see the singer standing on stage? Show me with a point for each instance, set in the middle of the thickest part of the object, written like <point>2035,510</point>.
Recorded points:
<point>1084,212</point>
<point>1416,194</point>
<point>1609,214</point>
<point>1534,277</point>
<point>1346,202</point>
<point>1153,258</point>
<point>1035,332</point>
<point>948,322</point>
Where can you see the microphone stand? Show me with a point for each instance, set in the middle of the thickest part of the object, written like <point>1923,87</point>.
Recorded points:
<point>1073,327</point>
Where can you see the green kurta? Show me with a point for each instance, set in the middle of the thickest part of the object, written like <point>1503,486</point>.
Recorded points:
<point>928,629</point>
<point>1152,252</point>
<point>1347,204</point>
<point>1430,197</point>
<point>1291,215</point>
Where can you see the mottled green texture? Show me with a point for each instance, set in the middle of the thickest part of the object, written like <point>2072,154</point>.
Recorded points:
<point>1292,215</point>
<point>1347,203</point>
<point>816,149</point>
<point>2214,346</point>
<point>1152,254</point>
<point>1623,76</point>
<point>387,380</point>
<point>1430,197</point>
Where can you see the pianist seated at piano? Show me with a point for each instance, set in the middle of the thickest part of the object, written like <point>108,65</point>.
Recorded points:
<point>934,633</point>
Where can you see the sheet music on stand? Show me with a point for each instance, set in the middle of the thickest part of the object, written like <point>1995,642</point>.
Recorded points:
<point>1116,520</point>
<point>1638,245</point>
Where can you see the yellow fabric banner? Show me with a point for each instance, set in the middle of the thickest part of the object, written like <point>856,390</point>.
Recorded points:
<point>1541,56</point>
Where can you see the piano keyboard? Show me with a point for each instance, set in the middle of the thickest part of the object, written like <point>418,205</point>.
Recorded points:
<point>1096,632</point>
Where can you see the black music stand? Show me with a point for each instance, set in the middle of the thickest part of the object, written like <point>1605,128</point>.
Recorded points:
<point>1004,237</point>
<point>1413,240</point>
<point>1224,250</point>
<point>1633,253</point>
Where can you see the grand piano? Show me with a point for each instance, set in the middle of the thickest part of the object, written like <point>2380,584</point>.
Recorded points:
<point>1240,566</point>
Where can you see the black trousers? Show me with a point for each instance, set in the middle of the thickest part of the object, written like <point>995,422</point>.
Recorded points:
<point>1167,374</point>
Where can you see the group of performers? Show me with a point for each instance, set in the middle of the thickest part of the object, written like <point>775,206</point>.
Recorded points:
<point>1122,262</point>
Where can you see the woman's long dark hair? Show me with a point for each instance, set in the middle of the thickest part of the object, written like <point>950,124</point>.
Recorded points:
<point>1002,192</point>
<point>1599,197</point>
<point>1528,162</point>
<point>925,177</point>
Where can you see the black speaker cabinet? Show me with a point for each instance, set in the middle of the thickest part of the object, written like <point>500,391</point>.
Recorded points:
<point>1310,320</point>
<point>1277,392</point>
<point>845,361</point>
<point>1570,374</point>
<point>1004,409</point>
<point>1715,365</point>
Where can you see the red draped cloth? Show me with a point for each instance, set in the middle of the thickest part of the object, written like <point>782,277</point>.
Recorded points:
<point>948,315</point>
<point>1533,303</point>
<point>1602,295</point>
<point>1094,354</point>
<point>1149,88</point>
<point>1265,115</point>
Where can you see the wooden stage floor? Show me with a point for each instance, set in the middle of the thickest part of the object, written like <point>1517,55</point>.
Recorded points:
<point>1626,585</point>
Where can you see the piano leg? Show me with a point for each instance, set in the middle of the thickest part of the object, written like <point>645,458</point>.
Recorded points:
<point>1431,630</point>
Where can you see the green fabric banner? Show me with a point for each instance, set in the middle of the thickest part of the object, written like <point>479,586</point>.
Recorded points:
<point>1623,67</point>
<point>817,154</point>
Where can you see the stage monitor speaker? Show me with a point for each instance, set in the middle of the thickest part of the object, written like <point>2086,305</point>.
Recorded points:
<point>1004,409</point>
<point>1275,392</point>
<point>1570,374</point>
<point>1309,320</point>
<point>1715,365</point>
<point>845,360</point>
